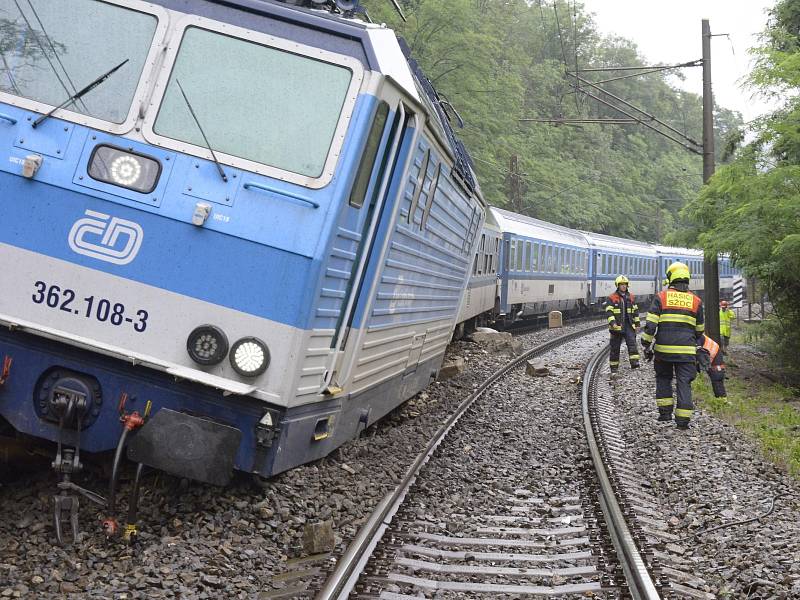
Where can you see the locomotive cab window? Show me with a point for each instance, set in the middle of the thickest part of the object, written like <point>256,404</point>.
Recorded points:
<point>46,55</point>
<point>286,118</point>
<point>367,165</point>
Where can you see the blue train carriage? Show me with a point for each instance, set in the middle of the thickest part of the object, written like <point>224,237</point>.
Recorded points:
<point>613,256</point>
<point>692,257</point>
<point>543,267</point>
<point>481,301</point>
<point>251,232</point>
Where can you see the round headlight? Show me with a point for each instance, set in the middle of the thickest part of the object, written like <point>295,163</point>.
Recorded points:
<point>126,170</point>
<point>207,345</point>
<point>249,357</point>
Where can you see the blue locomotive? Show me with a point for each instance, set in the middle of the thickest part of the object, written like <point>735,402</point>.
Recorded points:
<point>239,235</point>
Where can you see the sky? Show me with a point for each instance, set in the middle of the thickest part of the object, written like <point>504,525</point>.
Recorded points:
<point>669,31</point>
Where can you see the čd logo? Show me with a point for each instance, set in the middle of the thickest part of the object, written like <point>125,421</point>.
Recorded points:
<point>106,238</point>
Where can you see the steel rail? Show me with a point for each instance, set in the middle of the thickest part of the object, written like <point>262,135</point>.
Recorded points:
<point>639,580</point>
<point>344,578</point>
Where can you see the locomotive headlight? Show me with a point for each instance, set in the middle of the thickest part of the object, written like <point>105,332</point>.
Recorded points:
<point>249,357</point>
<point>124,168</point>
<point>207,345</point>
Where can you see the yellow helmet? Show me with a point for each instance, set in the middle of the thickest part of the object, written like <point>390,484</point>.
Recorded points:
<point>678,271</point>
<point>620,280</point>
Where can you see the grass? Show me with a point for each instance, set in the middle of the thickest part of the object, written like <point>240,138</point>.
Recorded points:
<point>766,411</point>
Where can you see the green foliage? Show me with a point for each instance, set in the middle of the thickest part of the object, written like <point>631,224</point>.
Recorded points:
<point>765,412</point>
<point>751,207</point>
<point>499,61</point>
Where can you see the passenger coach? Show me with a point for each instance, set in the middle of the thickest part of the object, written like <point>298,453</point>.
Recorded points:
<point>612,256</point>
<point>543,267</point>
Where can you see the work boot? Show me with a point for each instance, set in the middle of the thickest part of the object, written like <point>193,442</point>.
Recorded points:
<point>681,423</point>
<point>664,415</point>
<point>635,364</point>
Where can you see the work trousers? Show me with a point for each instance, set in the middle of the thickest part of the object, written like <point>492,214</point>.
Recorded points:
<point>684,373</point>
<point>629,335</point>
<point>717,382</point>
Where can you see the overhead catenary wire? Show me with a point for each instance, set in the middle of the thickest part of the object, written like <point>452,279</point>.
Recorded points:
<point>637,109</point>
<point>563,50</point>
<point>646,124</point>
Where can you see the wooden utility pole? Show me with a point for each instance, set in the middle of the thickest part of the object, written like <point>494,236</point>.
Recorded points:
<point>710,265</point>
<point>514,184</point>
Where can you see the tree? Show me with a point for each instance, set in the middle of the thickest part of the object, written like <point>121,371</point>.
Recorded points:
<point>751,207</point>
<point>498,61</point>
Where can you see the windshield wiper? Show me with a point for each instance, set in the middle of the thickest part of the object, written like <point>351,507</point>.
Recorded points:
<point>79,94</point>
<point>203,133</point>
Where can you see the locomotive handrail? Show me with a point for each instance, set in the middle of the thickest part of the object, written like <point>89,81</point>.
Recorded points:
<point>266,188</point>
<point>8,119</point>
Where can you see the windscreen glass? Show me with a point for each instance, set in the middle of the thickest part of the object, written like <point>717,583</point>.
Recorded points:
<point>254,102</point>
<point>52,49</point>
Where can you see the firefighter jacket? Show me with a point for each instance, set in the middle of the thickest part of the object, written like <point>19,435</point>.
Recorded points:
<point>725,318</point>
<point>675,323</point>
<point>622,310</point>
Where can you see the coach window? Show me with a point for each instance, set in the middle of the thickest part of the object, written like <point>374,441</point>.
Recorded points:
<point>527,265</point>
<point>519,255</point>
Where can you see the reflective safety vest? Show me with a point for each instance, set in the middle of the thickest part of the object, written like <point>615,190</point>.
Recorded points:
<point>725,317</point>
<point>615,304</point>
<point>675,325</point>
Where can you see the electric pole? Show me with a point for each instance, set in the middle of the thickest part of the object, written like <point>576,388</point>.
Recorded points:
<point>514,184</point>
<point>710,266</point>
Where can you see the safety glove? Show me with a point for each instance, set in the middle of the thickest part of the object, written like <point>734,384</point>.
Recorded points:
<point>648,352</point>
<point>702,359</point>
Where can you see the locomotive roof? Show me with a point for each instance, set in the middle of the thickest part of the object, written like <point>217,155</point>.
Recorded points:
<point>374,45</point>
<point>510,222</point>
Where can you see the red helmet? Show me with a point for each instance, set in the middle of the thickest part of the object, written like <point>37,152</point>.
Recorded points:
<point>724,304</point>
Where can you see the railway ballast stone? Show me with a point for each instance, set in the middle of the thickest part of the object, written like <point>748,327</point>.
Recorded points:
<point>318,537</point>
<point>536,368</point>
<point>451,368</point>
<point>497,341</point>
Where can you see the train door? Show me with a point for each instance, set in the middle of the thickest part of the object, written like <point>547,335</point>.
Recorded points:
<point>401,129</point>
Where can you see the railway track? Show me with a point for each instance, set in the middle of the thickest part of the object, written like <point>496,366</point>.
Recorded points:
<point>596,534</point>
<point>569,543</point>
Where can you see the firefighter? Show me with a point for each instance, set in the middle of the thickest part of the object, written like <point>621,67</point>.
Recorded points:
<point>623,323</point>
<point>726,315</point>
<point>709,359</point>
<point>674,328</point>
